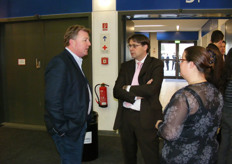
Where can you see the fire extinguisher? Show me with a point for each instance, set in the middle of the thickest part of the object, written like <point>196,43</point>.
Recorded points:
<point>103,95</point>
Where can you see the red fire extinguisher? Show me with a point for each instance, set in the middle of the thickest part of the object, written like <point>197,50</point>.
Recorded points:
<point>103,95</point>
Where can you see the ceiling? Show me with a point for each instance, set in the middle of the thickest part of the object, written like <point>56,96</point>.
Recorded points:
<point>187,20</point>
<point>168,25</point>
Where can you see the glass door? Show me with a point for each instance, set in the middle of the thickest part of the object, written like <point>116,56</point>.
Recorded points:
<point>170,52</point>
<point>168,55</point>
<point>182,47</point>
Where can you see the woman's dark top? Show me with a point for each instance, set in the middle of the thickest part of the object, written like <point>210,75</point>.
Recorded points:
<point>191,120</point>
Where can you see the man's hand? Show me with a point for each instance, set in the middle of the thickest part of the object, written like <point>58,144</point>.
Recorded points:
<point>150,81</point>
<point>124,87</point>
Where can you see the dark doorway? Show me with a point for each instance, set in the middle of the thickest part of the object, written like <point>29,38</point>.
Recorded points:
<point>28,47</point>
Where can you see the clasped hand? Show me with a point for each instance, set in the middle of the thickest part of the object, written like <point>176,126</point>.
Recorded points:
<point>149,82</point>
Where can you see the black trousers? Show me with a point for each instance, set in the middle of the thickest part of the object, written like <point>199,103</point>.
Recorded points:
<point>133,135</point>
<point>225,149</point>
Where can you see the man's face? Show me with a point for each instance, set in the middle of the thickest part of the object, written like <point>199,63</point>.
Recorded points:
<point>80,45</point>
<point>223,48</point>
<point>137,50</point>
<point>219,44</point>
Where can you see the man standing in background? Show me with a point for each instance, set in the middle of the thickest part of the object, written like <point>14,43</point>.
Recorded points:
<point>216,41</point>
<point>223,50</point>
<point>138,88</point>
<point>214,48</point>
<point>68,100</point>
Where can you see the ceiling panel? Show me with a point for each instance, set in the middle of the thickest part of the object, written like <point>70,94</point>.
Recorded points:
<point>168,25</point>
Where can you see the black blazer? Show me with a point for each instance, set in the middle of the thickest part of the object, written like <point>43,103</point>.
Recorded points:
<point>151,109</point>
<point>66,96</point>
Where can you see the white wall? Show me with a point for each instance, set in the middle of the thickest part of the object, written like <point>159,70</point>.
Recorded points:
<point>105,73</point>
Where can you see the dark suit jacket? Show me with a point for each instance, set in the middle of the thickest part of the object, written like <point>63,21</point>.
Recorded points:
<point>151,109</point>
<point>66,96</point>
<point>217,58</point>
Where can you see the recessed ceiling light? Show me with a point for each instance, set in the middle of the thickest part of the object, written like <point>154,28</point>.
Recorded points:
<point>151,25</point>
<point>151,30</point>
<point>177,27</point>
<point>141,16</point>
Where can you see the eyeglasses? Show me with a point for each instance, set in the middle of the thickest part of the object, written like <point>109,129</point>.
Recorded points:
<point>133,45</point>
<point>182,60</point>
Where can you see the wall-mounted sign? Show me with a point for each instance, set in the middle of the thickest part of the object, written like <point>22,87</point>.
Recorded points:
<point>122,5</point>
<point>105,43</point>
<point>104,60</point>
<point>104,26</point>
<point>21,61</point>
<point>191,1</point>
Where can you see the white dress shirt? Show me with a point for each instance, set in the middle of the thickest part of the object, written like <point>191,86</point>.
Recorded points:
<point>79,63</point>
<point>137,104</point>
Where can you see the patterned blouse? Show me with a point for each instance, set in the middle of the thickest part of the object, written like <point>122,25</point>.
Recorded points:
<point>190,125</point>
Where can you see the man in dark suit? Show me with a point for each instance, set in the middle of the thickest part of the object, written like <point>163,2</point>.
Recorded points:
<point>214,49</point>
<point>68,99</point>
<point>216,41</point>
<point>139,106</point>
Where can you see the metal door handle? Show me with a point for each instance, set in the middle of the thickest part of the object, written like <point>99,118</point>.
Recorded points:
<point>37,63</point>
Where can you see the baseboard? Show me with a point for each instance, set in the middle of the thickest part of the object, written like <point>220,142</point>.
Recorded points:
<point>43,128</point>
<point>23,126</point>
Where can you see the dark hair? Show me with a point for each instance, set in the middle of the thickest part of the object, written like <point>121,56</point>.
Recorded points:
<point>224,41</point>
<point>199,56</point>
<point>216,36</point>
<point>206,62</point>
<point>140,38</point>
<point>72,32</point>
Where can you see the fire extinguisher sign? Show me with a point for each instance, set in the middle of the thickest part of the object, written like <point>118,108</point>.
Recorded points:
<point>104,26</point>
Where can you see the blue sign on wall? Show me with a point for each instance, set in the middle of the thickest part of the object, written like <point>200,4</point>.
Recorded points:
<point>21,8</point>
<point>177,35</point>
<point>122,5</point>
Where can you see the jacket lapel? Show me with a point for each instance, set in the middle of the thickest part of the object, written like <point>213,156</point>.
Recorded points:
<point>144,69</point>
<point>145,66</point>
<point>131,71</point>
<point>73,61</point>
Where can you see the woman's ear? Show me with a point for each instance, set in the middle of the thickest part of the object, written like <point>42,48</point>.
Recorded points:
<point>192,65</point>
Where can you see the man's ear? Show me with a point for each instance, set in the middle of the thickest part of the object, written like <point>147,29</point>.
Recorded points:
<point>145,47</point>
<point>71,41</point>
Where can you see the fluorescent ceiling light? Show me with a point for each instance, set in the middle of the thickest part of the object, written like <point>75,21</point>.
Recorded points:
<point>141,16</point>
<point>151,25</point>
<point>151,30</point>
<point>168,15</point>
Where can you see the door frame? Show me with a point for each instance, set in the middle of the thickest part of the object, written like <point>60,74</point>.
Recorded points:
<point>123,16</point>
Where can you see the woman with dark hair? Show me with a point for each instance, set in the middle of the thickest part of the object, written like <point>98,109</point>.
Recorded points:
<point>193,115</point>
<point>225,150</point>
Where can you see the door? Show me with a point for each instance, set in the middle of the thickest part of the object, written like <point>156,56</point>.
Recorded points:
<point>28,47</point>
<point>170,52</point>
<point>24,84</point>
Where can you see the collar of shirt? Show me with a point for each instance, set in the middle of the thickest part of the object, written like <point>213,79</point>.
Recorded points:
<point>142,61</point>
<point>77,58</point>
<point>79,62</point>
